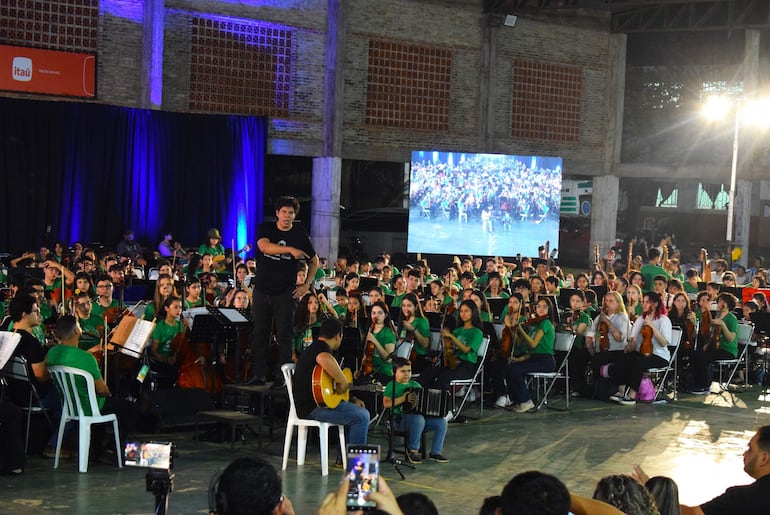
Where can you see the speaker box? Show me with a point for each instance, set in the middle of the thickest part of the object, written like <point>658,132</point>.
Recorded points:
<point>173,408</point>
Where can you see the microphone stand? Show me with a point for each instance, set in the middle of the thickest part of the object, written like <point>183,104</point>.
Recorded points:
<point>391,455</point>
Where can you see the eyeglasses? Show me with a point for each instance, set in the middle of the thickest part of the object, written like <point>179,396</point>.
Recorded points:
<point>104,286</point>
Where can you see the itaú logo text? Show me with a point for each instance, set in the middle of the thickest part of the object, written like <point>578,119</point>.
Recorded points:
<point>21,69</point>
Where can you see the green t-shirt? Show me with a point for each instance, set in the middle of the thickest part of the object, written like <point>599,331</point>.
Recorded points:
<point>92,331</point>
<point>421,326</point>
<point>689,288</point>
<point>64,355</point>
<point>379,365</point>
<point>188,305</point>
<point>582,318</point>
<point>164,333</point>
<point>545,345</point>
<point>730,346</point>
<point>304,337</point>
<point>397,301</point>
<point>98,311</point>
<point>472,338</point>
<point>503,295</point>
<point>400,389</point>
<point>649,272</point>
<point>219,250</point>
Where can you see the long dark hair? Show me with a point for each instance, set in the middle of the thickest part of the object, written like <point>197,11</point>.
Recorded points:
<point>475,317</point>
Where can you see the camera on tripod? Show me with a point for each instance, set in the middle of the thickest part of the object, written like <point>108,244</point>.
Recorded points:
<point>153,455</point>
<point>158,458</point>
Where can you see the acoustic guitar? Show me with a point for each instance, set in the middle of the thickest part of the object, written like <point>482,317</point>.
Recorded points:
<point>323,388</point>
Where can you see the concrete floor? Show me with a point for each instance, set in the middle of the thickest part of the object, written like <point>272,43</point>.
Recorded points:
<point>696,440</point>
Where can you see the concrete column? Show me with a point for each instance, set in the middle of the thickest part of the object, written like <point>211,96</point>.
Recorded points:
<point>604,213</point>
<point>325,225</point>
<point>487,90</point>
<point>152,54</point>
<point>616,91</point>
<point>327,170</point>
<point>746,152</point>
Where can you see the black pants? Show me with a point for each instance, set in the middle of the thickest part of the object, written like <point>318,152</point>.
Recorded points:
<point>272,308</point>
<point>440,377</point>
<point>635,365</point>
<point>11,441</point>
<point>700,364</point>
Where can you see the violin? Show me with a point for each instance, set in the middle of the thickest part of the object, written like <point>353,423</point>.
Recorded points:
<point>716,335</point>
<point>535,320</point>
<point>604,336</point>
<point>367,362</point>
<point>704,331</point>
<point>689,334</point>
<point>646,348</point>
<point>506,345</point>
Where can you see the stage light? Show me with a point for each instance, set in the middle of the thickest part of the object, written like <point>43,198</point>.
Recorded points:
<point>717,107</point>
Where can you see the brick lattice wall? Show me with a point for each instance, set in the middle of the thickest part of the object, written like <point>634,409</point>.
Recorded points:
<point>546,101</point>
<point>66,25</point>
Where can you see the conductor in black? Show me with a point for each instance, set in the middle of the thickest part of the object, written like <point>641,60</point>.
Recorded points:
<point>281,245</point>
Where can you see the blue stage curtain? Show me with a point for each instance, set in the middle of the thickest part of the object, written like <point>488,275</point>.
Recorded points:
<point>88,171</point>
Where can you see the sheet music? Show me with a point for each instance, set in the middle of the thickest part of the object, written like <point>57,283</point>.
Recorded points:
<point>8,343</point>
<point>190,314</point>
<point>233,315</point>
<point>136,341</point>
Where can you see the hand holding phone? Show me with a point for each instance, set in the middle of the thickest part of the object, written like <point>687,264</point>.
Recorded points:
<point>363,473</point>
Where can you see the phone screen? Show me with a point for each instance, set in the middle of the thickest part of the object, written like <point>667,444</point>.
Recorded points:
<point>156,455</point>
<point>363,470</point>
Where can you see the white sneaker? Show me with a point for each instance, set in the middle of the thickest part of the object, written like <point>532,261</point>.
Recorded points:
<point>449,416</point>
<point>524,407</point>
<point>503,401</point>
<point>472,396</point>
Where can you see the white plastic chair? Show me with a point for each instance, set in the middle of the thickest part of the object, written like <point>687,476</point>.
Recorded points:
<point>67,379</point>
<point>302,424</point>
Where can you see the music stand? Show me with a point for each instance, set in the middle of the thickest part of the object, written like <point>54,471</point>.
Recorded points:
<point>496,306</point>
<point>564,296</point>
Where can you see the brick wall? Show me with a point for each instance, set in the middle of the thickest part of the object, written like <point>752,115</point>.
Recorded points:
<point>448,121</point>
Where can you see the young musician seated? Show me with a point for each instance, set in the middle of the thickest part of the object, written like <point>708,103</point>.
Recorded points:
<point>538,338</point>
<point>163,359</point>
<point>463,344</point>
<point>637,358</point>
<point>351,413</point>
<point>726,348</point>
<point>413,423</point>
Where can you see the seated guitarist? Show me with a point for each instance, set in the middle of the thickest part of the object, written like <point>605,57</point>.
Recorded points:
<point>351,414</point>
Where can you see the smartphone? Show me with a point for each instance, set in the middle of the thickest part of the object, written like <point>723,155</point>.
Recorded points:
<point>154,455</point>
<point>363,471</point>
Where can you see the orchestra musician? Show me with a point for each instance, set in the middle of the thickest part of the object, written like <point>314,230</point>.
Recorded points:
<point>725,348</point>
<point>512,316</point>
<point>162,358</point>
<point>538,336</point>
<point>682,317</point>
<point>164,288</point>
<point>466,339</point>
<point>104,301</point>
<point>613,314</point>
<point>634,301</point>
<point>384,339</point>
<point>495,287</point>
<point>415,328</point>
<point>414,424</point>
<point>193,297</point>
<point>578,322</point>
<point>653,327</point>
<point>213,245</point>
<point>91,325</point>
<point>309,316</point>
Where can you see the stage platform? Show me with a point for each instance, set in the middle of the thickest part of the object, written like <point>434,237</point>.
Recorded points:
<point>698,441</point>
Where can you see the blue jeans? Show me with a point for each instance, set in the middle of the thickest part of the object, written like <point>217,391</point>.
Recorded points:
<point>354,418</point>
<point>415,425</point>
<point>515,375</point>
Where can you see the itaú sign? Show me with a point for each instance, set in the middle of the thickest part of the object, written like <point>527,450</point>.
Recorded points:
<point>33,70</point>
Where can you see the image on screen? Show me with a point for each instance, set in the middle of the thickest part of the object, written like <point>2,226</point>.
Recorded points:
<point>483,204</point>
